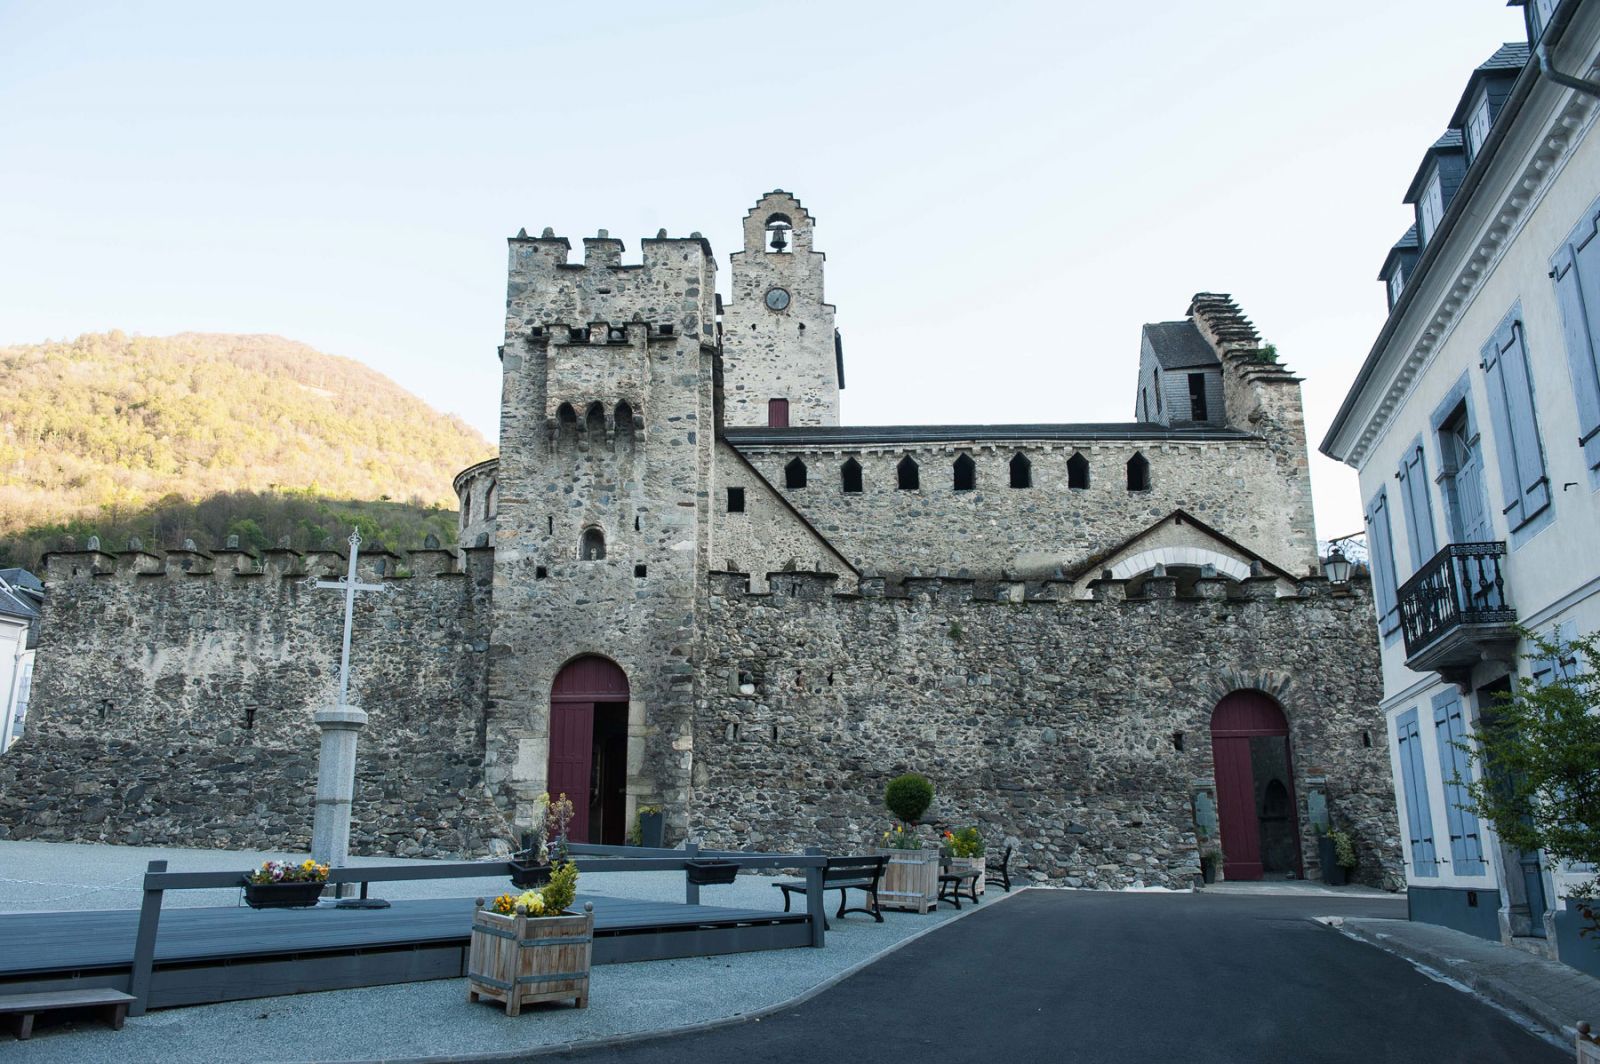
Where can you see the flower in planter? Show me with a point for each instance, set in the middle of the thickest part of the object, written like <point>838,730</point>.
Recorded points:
<point>552,899</point>
<point>963,842</point>
<point>307,871</point>
<point>900,837</point>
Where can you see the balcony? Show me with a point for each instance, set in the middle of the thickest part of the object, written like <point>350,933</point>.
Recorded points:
<point>1454,612</point>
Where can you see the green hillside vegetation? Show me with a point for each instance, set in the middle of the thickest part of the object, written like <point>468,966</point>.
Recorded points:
<point>204,435</point>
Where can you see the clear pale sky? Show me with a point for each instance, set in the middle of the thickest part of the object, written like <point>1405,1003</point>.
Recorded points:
<point>1005,191</point>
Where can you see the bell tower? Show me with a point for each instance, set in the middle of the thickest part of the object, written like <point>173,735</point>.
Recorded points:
<point>782,360</point>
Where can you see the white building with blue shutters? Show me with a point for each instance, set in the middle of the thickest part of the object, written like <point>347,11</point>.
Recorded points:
<point>1475,426</point>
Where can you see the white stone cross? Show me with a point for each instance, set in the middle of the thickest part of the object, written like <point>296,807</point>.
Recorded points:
<point>350,586</point>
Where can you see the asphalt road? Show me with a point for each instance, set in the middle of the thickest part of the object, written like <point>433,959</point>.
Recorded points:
<point>1090,977</point>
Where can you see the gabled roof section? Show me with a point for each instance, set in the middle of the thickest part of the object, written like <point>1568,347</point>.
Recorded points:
<point>1506,63</point>
<point>1450,144</point>
<point>1179,345</point>
<point>1180,516</point>
<point>1408,245</point>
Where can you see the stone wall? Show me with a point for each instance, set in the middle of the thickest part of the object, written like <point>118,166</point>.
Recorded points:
<point>173,706</point>
<point>995,529</point>
<point>767,535</point>
<point>1058,723</point>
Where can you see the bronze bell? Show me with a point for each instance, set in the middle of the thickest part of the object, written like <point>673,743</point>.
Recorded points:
<point>778,242</point>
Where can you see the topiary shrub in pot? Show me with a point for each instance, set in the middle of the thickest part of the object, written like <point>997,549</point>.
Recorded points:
<point>911,879</point>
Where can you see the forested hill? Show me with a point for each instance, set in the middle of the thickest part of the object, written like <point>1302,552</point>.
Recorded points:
<point>114,434</point>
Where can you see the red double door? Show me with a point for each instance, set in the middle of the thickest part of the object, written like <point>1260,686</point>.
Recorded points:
<point>588,762</point>
<point>1255,786</point>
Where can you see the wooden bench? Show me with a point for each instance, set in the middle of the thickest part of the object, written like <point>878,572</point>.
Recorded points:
<point>950,886</point>
<point>999,873</point>
<point>29,1005</point>
<point>843,874</point>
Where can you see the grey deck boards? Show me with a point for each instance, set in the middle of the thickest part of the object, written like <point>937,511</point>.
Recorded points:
<point>37,943</point>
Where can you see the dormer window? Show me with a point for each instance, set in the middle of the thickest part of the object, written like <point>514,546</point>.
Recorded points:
<point>1478,125</point>
<point>1397,284</point>
<point>1540,10</point>
<point>1431,207</point>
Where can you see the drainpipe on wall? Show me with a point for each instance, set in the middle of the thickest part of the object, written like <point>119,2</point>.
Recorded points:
<point>1547,68</point>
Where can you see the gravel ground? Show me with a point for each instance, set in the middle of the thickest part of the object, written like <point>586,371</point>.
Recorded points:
<point>417,1020</point>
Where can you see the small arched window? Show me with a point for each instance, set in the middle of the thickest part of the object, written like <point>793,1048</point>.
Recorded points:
<point>966,472</point>
<point>1021,471</point>
<point>592,545</point>
<point>1138,473</point>
<point>624,416</point>
<point>466,507</point>
<point>778,229</point>
<point>566,418</point>
<point>1078,472</point>
<point>794,474</point>
<point>850,476</point>
<point>906,478</point>
<point>492,500</point>
<point>595,419</point>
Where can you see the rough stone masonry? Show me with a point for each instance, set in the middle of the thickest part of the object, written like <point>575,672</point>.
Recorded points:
<point>1043,618</point>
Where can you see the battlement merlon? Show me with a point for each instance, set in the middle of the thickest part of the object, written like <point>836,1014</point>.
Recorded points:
<point>675,283</point>
<point>232,564</point>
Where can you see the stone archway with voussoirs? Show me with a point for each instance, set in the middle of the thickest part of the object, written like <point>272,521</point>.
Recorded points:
<point>1171,557</point>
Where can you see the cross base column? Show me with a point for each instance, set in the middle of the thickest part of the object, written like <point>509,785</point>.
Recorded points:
<point>336,783</point>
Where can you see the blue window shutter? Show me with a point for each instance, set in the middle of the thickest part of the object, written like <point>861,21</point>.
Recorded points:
<point>1466,843</point>
<point>1381,556</point>
<point>1419,512</point>
<point>1414,780</point>
<point>1565,664</point>
<point>1525,487</point>
<point>1576,269</point>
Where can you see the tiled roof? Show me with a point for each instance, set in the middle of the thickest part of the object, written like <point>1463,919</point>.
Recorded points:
<point>1512,55</point>
<point>1179,345</point>
<point>1409,240</point>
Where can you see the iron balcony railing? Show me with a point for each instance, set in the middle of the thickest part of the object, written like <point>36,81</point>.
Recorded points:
<point>1461,585</point>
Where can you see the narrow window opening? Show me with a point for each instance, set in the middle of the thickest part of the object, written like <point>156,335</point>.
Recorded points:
<point>850,476</point>
<point>966,478</point>
<point>639,571</point>
<point>774,733</point>
<point>1366,739</point>
<point>777,413</point>
<point>1197,397</point>
<point>540,572</point>
<point>1177,741</point>
<point>794,474</point>
<point>592,545</point>
<point>1078,472</point>
<point>624,416</point>
<point>1021,472</point>
<point>566,419</point>
<point>594,421</point>
<point>733,732</point>
<point>1138,473</point>
<point>1155,386</point>
<point>466,507</point>
<point>250,718</point>
<point>636,522</point>
<point>906,474</point>
<point>552,527</point>
<point>736,500</point>
<point>492,500</point>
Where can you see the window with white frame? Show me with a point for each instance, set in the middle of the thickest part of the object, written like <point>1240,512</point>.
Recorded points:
<point>1478,124</point>
<point>1397,284</point>
<point>1431,207</point>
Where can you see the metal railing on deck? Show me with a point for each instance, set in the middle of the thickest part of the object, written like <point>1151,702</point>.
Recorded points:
<point>1462,584</point>
<point>157,880</point>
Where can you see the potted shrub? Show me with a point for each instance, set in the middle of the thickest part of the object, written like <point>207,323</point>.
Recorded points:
<point>1210,862</point>
<point>911,878</point>
<point>1337,854</point>
<point>532,946</point>
<point>650,826</point>
<point>963,851</point>
<point>284,885</point>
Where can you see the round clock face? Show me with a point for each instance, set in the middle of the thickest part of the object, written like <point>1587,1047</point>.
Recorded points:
<point>777,298</point>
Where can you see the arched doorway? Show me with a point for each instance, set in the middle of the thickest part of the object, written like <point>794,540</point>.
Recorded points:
<point>1255,787</point>
<point>589,747</point>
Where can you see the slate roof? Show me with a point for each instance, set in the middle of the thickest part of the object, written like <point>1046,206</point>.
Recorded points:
<point>1506,63</point>
<point>1409,242</point>
<point>1179,345</point>
<point>1451,143</point>
<point>17,604</point>
<point>898,435</point>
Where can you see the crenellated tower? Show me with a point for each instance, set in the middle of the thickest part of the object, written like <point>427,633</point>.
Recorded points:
<point>601,525</point>
<point>783,363</point>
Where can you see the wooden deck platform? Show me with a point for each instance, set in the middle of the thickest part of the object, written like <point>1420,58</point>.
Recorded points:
<point>228,954</point>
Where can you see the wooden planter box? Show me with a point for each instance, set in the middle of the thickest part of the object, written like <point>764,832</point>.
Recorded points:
<point>969,864</point>
<point>910,881</point>
<point>525,959</point>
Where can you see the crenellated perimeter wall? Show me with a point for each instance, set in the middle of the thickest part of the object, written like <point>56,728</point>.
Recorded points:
<point>174,696</point>
<point>1080,728</point>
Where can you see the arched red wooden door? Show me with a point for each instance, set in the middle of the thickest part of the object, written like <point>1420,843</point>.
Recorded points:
<point>580,686</point>
<point>1250,748</point>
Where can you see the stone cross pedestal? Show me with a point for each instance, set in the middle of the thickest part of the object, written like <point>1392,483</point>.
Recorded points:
<point>340,724</point>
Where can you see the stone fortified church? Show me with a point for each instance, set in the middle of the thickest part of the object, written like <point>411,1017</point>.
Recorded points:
<point>683,583</point>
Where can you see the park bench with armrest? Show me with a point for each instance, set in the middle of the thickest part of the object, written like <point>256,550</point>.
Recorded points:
<point>844,874</point>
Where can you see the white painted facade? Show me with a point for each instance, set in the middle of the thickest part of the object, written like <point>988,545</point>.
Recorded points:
<point>1424,395</point>
<point>16,672</point>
